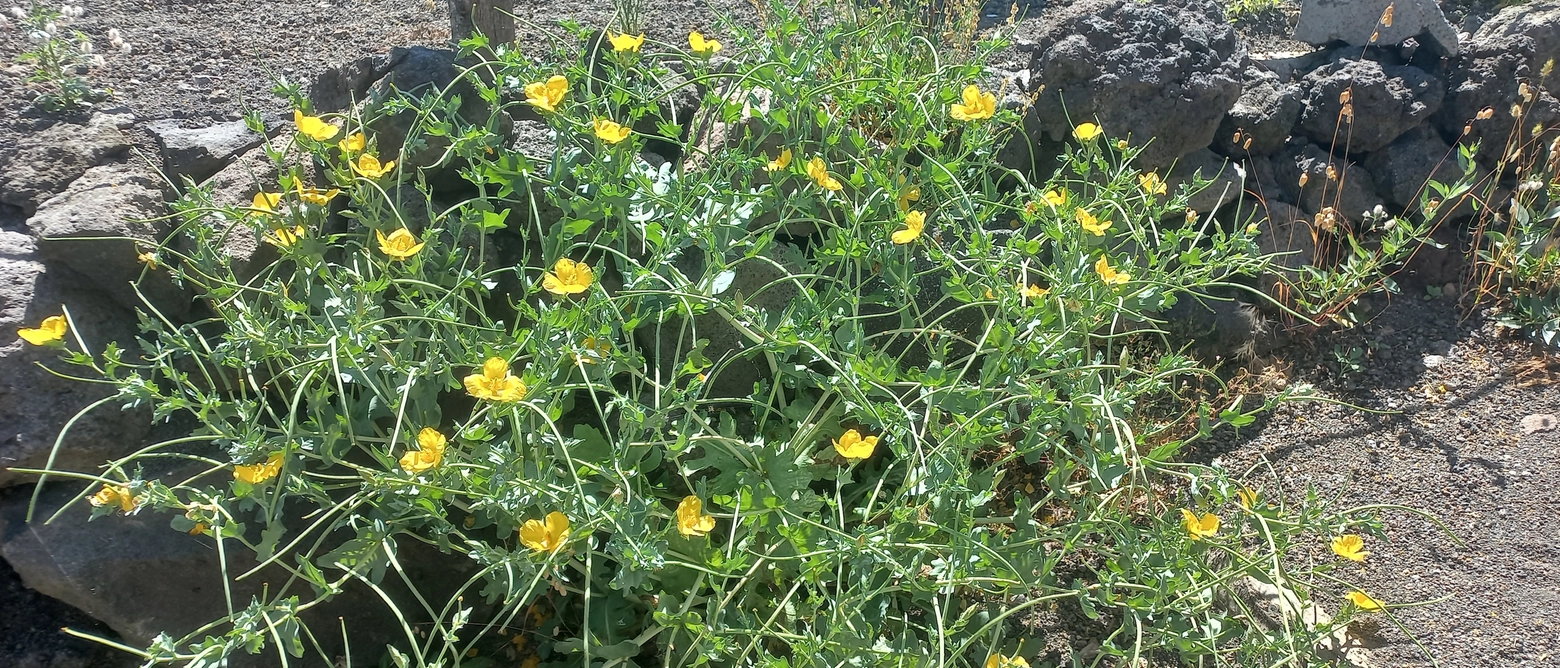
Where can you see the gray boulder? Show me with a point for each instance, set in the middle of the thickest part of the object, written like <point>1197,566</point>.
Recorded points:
<point>1160,75</point>
<point>1265,114</point>
<point>197,153</point>
<point>1351,193</point>
<point>1537,20</point>
<point>1358,23</point>
<point>1403,169</point>
<point>142,578</point>
<point>1222,180</point>
<point>99,226</point>
<point>1386,100</point>
<point>237,235</point>
<point>1489,75</point>
<point>35,404</point>
<point>43,163</point>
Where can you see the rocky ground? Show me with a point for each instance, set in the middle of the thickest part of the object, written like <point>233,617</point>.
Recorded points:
<point>1449,395</point>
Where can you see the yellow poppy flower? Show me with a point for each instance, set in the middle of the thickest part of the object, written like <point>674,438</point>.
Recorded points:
<point>547,95</point>
<point>691,520</point>
<point>568,277</point>
<point>621,43</point>
<point>495,382</point>
<point>1152,184</point>
<point>1364,602</point>
<point>316,196</point>
<point>915,222</point>
<point>701,46</point>
<point>400,245</point>
<point>976,106</point>
<point>114,494</point>
<point>781,162</point>
<point>999,661</point>
<point>609,131</point>
<point>368,166</point>
<point>1351,547</point>
<point>545,535</point>
<point>1091,224</point>
<point>852,446</point>
<point>1109,274</point>
<point>1032,291</point>
<point>1247,497</point>
<point>52,329</point>
<point>354,143</point>
<point>313,126</point>
<point>1087,131</point>
<point>265,203</point>
<point>429,452</point>
<point>148,258</point>
<point>1055,198</point>
<point>285,236</point>
<point>1199,527</point>
<point>255,474</point>
<point>819,173</point>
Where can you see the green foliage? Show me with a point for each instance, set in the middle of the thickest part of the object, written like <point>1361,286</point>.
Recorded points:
<point>1239,10</point>
<point>740,324</point>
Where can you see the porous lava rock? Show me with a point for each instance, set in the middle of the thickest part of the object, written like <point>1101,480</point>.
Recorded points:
<point>1160,75</point>
<point>1386,101</point>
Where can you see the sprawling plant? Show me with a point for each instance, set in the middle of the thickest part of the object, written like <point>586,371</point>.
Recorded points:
<point>754,354</point>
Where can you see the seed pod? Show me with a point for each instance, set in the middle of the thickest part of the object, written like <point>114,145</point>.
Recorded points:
<point>1386,17</point>
<point>1247,145</point>
<point>1485,114</point>
<point>1348,112</point>
<point>1304,176</point>
<point>1236,138</point>
<point>1468,128</point>
<point>1525,91</point>
<point>1332,173</point>
<point>1346,96</point>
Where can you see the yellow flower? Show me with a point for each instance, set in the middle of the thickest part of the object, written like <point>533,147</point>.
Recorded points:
<point>1247,497</point>
<point>1055,198</point>
<point>354,143</point>
<point>1199,527</point>
<point>853,447</point>
<point>781,162</point>
<point>285,236</point>
<point>313,127</point>
<point>429,452</point>
<point>1152,184</point>
<point>621,43</point>
<point>1351,547</point>
<point>368,166</point>
<point>915,221</point>
<point>1364,602</point>
<point>400,245</point>
<point>255,474</point>
<point>691,520</point>
<point>1032,291</point>
<point>495,382</point>
<point>1091,224</point>
<point>908,192</point>
<point>545,536</point>
<point>568,277</point>
<point>148,258</point>
<point>547,95</point>
<point>1087,131</point>
<point>1109,274</point>
<point>999,661</point>
<point>701,46</point>
<point>112,494</point>
<point>265,203</point>
<point>609,131</point>
<point>316,196</point>
<point>819,173</point>
<point>977,106</point>
<point>52,329</point>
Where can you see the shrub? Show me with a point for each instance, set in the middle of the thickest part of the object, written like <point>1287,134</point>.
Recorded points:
<point>816,381</point>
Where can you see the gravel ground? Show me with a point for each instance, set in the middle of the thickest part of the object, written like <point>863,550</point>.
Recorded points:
<point>1452,443</point>
<point>1448,439</point>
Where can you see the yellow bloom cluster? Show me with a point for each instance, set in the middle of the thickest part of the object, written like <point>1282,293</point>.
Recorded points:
<point>112,495</point>
<point>429,452</point>
<point>255,474</point>
<point>495,383</point>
